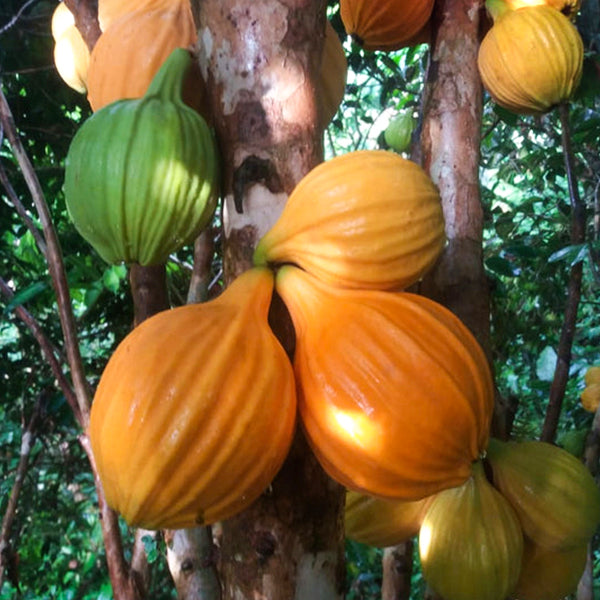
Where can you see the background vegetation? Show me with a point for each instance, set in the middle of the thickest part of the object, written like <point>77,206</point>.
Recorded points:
<point>56,548</point>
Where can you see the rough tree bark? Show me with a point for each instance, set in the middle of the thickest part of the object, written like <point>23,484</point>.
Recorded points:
<point>451,151</point>
<point>260,60</point>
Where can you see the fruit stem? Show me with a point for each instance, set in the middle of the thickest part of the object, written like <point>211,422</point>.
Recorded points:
<point>496,8</point>
<point>168,81</point>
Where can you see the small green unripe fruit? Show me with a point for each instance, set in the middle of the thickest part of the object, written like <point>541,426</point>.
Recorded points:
<point>398,133</point>
<point>141,175</point>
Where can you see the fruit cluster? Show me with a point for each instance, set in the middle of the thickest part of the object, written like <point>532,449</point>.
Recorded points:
<point>519,527</point>
<point>393,392</point>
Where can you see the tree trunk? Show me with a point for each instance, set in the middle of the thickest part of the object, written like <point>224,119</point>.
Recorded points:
<point>450,147</point>
<point>397,571</point>
<point>450,153</point>
<point>260,60</point>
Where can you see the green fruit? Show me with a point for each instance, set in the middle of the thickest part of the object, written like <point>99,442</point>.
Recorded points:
<point>398,133</point>
<point>470,542</point>
<point>573,441</point>
<point>552,492</point>
<point>141,175</point>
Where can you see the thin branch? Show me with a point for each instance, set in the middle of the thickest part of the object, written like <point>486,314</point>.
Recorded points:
<point>55,261</point>
<point>16,17</point>
<point>22,212</point>
<point>204,248</point>
<point>47,348</point>
<point>122,579</point>
<point>578,218</point>
<point>7,554</point>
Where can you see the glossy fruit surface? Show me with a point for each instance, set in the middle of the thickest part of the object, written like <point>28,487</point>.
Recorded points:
<point>552,492</point>
<point>470,542</point>
<point>387,24</point>
<point>365,219</point>
<point>395,394</point>
<point>71,54</point>
<point>382,523</point>
<point>195,411</point>
<point>531,59</point>
<point>130,52</point>
<point>136,189</point>
<point>569,8</point>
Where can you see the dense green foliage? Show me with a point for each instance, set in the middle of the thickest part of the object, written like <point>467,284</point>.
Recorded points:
<point>528,255</point>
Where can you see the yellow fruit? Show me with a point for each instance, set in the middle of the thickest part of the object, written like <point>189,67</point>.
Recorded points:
<point>331,83</point>
<point>569,8</point>
<point>71,54</point>
<point>365,219</point>
<point>590,397</point>
<point>592,375</point>
<point>470,542</point>
<point>552,492</point>
<point>548,574</point>
<point>531,59</point>
<point>382,523</point>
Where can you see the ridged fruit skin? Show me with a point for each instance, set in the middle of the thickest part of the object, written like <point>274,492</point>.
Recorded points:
<point>387,24</point>
<point>531,59</point>
<point>132,49</point>
<point>548,574</point>
<point>71,54</point>
<point>394,393</point>
<point>382,523</point>
<point>135,187</point>
<point>471,542</point>
<point>552,492</point>
<point>569,8</point>
<point>367,219</point>
<point>195,410</point>
<point>331,83</point>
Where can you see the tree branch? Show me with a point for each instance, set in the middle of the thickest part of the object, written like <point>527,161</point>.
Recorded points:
<point>125,585</point>
<point>204,248</point>
<point>561,373</point>
<point>55,261</point>
<point>47,348</point>
<point>22,212</point>
<point>397,571</point>
<point>7,558</point>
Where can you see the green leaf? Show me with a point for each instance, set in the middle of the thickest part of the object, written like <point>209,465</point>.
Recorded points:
<point>506,115</point>
<point>151,548</point>
<point>501,266</point>
<point>113,276</point>
<point>572,254</point>
<point>25,295</point>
